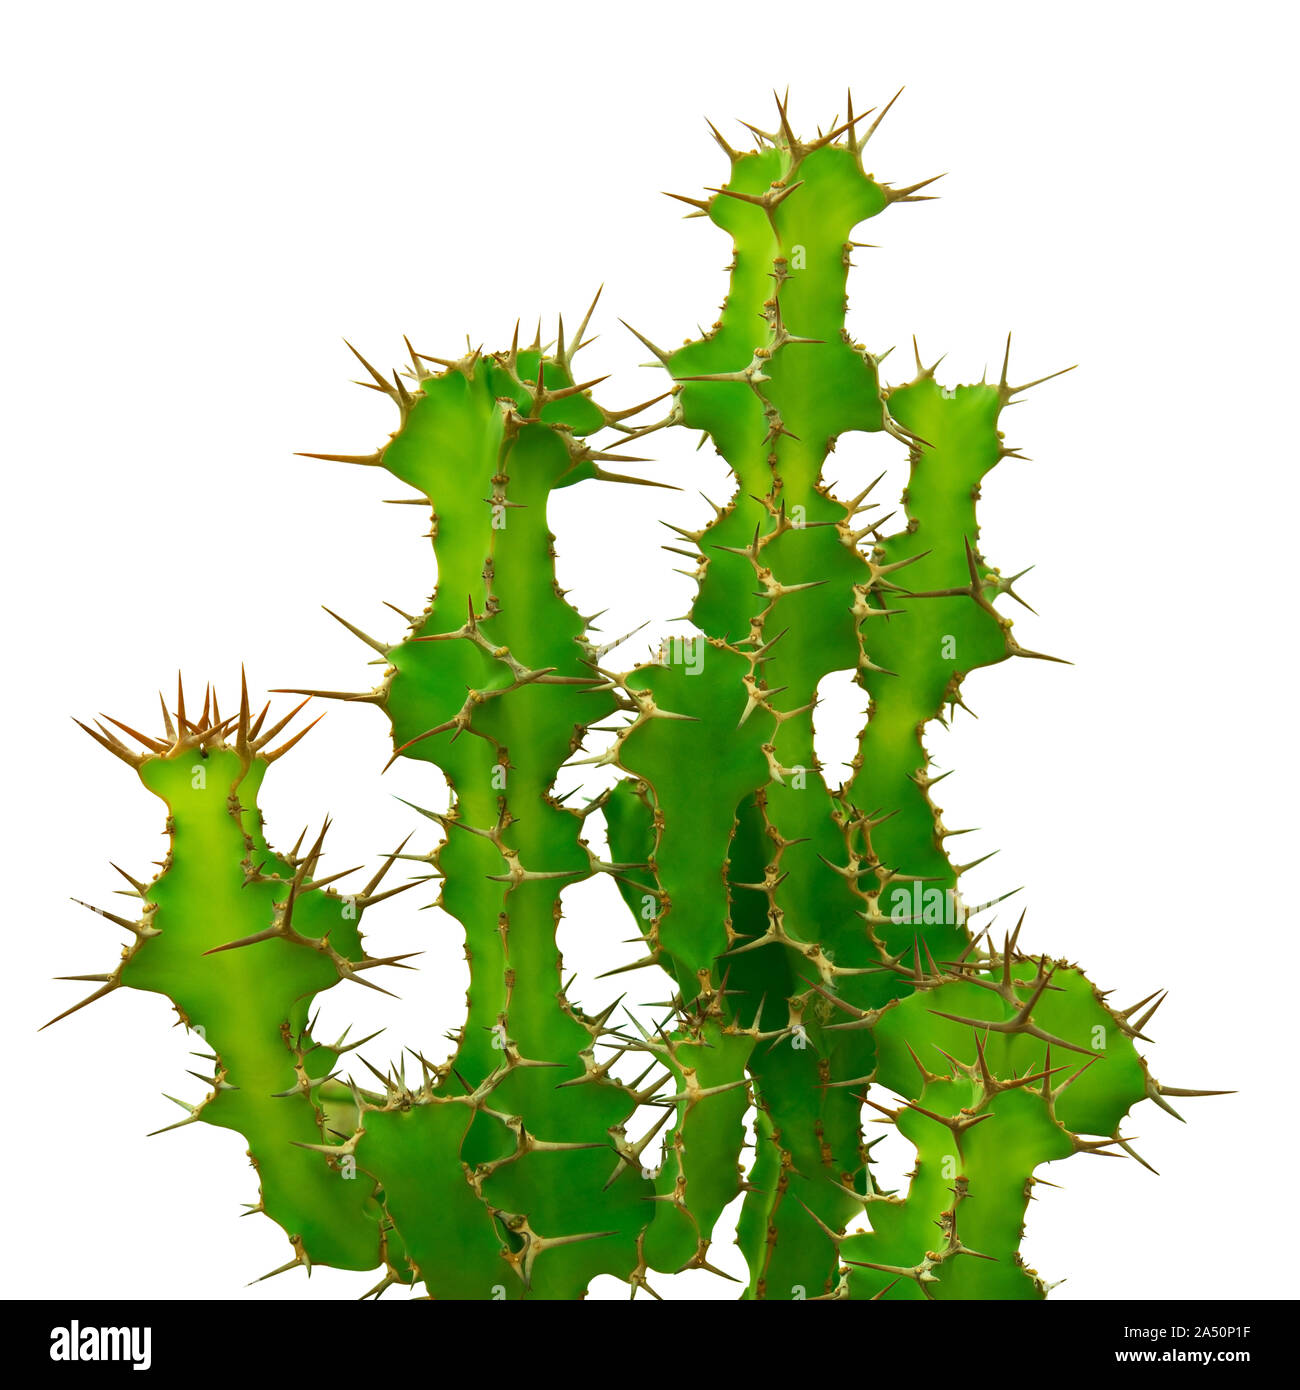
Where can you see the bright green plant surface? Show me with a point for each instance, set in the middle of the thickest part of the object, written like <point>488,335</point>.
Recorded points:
<point>824,967</point>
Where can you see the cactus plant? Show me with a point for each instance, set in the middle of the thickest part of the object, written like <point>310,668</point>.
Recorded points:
<point>824,965</point>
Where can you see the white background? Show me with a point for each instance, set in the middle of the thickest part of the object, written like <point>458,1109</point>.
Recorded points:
<point>202,200</point>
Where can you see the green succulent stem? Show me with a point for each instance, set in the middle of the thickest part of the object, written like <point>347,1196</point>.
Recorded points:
<point>823,970</point>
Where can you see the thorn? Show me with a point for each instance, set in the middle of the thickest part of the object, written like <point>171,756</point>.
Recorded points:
<point>283,1269</point>
<point>381,381</point>
<point>698,203</point>
<point>1133,1153</point>
<point>107,988</point>
<point>875,125</point>
<point>658,352</point>
<point>1150,1013</point>
<point>113,744</point>
<point>726,148</point>
<point>180,1124</point>
<point>167,719</point>
<point>135,928</point>
<point>372,642</point>
<point>135,883</point>
<point>907,195</point>
<point>580,339</point>
<point>374,460</point>
<point>279,752</point>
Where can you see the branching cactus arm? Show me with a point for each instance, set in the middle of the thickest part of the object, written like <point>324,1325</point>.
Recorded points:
<point>495,685</point>
<point>840,900</point>
<point>241,940</point>
<point>781,575</point>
